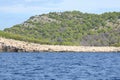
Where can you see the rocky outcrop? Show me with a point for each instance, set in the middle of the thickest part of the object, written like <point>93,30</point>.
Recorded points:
<point>10,45</point>
<point>6,48</point>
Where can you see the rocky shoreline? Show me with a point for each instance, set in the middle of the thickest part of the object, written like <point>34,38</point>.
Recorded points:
<point>10,45</point>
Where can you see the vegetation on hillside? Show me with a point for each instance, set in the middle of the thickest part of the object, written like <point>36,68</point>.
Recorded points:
<point>21,38</point>
<point>71,28</point>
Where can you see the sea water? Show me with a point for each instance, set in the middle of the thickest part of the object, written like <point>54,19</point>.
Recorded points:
<point>59,66</point>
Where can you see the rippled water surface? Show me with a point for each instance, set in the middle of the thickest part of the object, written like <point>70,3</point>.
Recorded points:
<point>59,66</point>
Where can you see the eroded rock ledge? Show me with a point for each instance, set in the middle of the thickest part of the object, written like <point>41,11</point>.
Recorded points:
<point>10,45</point>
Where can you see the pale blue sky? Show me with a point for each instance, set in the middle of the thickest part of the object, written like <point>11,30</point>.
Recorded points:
<point>17,11</point>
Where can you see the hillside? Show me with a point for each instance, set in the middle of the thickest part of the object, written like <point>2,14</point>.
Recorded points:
<point>71,28</point>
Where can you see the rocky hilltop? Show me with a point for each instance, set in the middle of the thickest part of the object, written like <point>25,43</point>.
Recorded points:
<point>70,28</point>
<point>10,45</point>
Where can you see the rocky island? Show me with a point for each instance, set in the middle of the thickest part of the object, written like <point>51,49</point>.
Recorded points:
<point>64,31</point>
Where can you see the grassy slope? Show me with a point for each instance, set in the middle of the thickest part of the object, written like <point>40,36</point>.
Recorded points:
<point>21,38</point>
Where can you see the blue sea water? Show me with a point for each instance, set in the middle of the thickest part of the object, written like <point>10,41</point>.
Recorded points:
<point>59,66</point>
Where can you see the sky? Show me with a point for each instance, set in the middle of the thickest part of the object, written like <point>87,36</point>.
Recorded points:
<point>14,12</point>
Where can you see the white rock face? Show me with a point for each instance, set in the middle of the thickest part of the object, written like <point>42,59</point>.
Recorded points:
<point>11,45</point>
